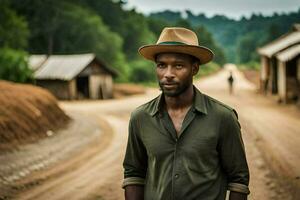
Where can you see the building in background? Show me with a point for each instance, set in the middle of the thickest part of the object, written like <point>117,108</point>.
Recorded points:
<point>69,77</point>
<point>280,66</point>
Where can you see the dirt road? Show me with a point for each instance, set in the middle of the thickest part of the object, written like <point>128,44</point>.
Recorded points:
<point>94,170</point>
<point>271,134</point>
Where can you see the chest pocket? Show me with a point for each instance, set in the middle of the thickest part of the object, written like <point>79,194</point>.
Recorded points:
<point>199,154</point>
<point>158,142</point>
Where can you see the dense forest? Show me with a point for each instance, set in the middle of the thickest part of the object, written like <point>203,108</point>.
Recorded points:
<point>114,33</point>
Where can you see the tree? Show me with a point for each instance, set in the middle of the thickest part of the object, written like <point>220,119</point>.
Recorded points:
<point>157,25</point>
<point>111,12</point>
<point>65,27</point>
<point>42,18</point>
<point>14,32</point>
<point>167,15</point>
<point>183,23</point>
<point>273,32</point>
<point>206,39</point>
<point>14,66</point>
<point>80,31</point>
<point>130,25</point>
<point>246,49</point>
<point>137,34</point>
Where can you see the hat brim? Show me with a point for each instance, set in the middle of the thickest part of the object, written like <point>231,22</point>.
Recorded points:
<point>202,53</point>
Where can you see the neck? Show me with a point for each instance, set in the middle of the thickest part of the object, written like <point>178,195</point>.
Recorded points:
<point>184,100</point>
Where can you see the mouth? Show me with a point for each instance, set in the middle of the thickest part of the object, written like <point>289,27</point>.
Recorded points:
<point>169,85</point>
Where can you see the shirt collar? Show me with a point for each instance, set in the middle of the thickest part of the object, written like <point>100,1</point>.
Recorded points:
<point>157,105</point>
<point>199,103</point>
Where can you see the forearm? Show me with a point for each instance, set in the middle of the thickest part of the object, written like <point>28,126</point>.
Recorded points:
<point>134,192</point>
<point>237,196</point>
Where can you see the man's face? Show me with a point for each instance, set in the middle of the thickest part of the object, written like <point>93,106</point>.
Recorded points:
<point>175,72</point>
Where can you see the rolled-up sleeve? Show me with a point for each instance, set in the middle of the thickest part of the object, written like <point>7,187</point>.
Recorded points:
<point>232,154</point>
<point>135,161</point>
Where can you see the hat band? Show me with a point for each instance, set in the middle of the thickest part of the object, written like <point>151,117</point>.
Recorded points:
<point>172,43</point>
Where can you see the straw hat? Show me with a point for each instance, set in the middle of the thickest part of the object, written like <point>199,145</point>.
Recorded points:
<point>177,40</point>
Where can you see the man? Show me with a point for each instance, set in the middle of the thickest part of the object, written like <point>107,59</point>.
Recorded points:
<point>230,80</point>
<point>183,145</point>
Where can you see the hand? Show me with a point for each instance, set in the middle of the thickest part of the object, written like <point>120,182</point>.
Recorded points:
<point>237,196</point>
<point>134,192</point>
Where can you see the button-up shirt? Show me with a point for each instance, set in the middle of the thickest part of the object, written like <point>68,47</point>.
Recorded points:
<point>203,162</point>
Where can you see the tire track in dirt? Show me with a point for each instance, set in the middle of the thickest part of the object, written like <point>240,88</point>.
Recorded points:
<point>76,178</point>
<point>28,159</point>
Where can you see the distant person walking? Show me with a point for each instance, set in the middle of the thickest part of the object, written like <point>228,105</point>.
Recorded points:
<point>230,82</point>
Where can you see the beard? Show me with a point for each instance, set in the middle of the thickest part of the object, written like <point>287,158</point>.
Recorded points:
<point>176,91</point>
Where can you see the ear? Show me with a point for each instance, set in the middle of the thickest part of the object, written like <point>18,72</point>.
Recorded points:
<point>195,68</point>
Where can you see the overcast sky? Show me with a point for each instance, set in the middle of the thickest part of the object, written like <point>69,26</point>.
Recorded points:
<point>231,8</point>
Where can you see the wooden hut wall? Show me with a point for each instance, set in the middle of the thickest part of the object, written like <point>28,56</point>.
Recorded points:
<point>60,89</point>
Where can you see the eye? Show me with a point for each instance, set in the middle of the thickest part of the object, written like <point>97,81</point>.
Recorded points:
<point>160,65</point>
<point>179,66</point>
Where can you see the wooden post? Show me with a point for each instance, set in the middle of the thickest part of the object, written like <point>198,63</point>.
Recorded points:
<point>298,79</point>
<point>264,75</point>
<point>72,89</point>
<point>282,82</point>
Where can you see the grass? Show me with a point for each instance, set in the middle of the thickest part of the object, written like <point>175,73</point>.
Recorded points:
<point>253,65</point>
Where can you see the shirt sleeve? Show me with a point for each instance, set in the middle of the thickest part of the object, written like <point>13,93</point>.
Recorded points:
<point>135,161</point>
<point>232,154</point>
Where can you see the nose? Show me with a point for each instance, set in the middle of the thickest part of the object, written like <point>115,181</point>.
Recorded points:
<point>169,73</point>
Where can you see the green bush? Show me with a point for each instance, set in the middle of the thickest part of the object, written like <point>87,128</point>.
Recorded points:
<point>14,66</point>
<point>142,71</point>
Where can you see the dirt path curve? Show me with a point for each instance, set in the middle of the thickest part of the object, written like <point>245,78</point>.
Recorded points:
<point>75,177</point>
<point>95,173</point>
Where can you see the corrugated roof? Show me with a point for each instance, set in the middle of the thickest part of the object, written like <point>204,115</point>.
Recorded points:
<point>289,53</point>
<point>63,67</point>
<point>281,43</point>
<point>36,61</point>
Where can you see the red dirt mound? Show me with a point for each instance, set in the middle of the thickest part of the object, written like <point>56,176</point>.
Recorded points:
<point>27,113</point>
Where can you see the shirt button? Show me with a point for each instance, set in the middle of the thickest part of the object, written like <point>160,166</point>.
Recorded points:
<point>176,176</point>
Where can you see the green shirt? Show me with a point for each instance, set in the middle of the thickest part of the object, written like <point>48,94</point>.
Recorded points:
<point>206,159</point>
